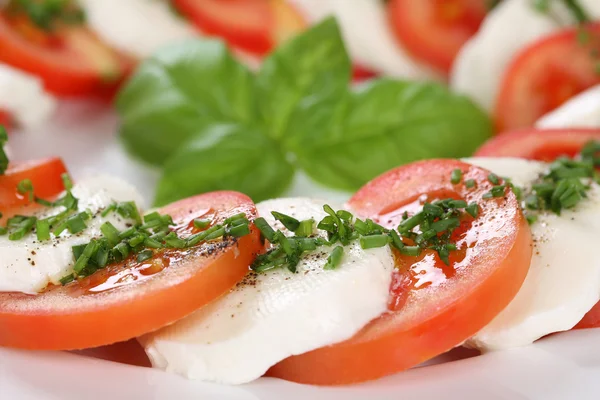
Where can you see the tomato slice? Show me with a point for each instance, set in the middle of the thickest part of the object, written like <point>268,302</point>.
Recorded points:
<point>46,176</point>
<point>254,26</point>
<point>126,300</point>
<point>71,62</point>
<point>546,74</point>
<point>435,30</point>
<point>360,73</point>
<point>538,144</point>
<point>6,120</point>
<point>591,319</point>
<point>433,307</point>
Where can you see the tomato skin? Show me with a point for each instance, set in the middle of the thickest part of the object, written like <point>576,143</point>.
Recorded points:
<point>538,144</point>
<point>254,26</point>
<point>73,317</point>
<point>80,66</point>
<point>46,176</point>
<point>435,319</point>
<point>545,75</point>
<point>435,30</point>
<point>591,319</point>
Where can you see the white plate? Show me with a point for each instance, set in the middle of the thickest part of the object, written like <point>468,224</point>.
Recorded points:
<point>563,366</point>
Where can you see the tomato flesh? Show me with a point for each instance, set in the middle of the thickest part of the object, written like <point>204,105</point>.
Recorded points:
<point>46,176</point>
<point>433,307</point>
<point>130,299</point>
<point>71,61</point>
<point>545,75</point>
<point>538,144</point>
<point>435,30</point>
<point>254,26</point>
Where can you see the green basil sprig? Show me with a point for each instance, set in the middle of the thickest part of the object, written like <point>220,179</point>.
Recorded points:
<point>212,124</point>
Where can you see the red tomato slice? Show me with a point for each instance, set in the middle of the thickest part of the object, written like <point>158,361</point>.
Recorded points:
<point>71,62</point>
<point>433,307</point>
<point>545,75</point>
<point>435,30</point>
<point>46,176</point>
<point>360,74</point>
<point>254,26</point>
<point>591,319</point>
<point>127,300</point>
<point>6,120</point>
<point>538,144</point>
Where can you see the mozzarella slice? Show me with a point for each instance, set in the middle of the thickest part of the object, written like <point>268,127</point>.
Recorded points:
<point>582,111</point>
<point>271,316</point>
<point>29,265</point>
<point>136,27</point>
<point>563,282</point>
<point>367,35</point>
<point>23,96</point>
<point>513,25</point>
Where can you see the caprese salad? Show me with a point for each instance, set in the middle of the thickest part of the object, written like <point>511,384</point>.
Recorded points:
<point>426,257</point>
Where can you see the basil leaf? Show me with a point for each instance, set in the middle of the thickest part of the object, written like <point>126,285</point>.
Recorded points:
<point>178,93</point>
<point>226,157</point>
<point>385,124</point>
<point>310,71</point>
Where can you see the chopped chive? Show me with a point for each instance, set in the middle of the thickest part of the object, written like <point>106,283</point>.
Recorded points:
<point>374,241</point>
<point>265,229</point>
<point>127,233</point>
<point>305,229</point>
<point>306,244</point>
<point>361,227</point>
<point>23,229</point>
<point>493,178</point>
<point>201,223</point>
<point>144,255</point>
<point>78,251</point>
<point>109,209</point>
<point>531,219</point>
<point>76,223</point>
<point>456,176</point>
<point>472,209</point>
<point>457,204</point>
<point>335,258</point>
<point>67,182</point>
<point>413,251</point>
<point>470,183</point>
<point>3,156</point>
<point>128,209</point>
<point>290,223</point>
<point>3,231</point>
<point>396,241</point>
<point>239,230</point>
<point>410,223</point>
<point>136,240</point>
<point>174,241</point>
<point>218,232</point>
<point>67,279</point>
<point>152,243</point>
<point>25,187</point>
<point>110,233</point>
<point>233,218</point>
<point>432,210</point>
<point>122,249</point>
<point>345,215</point>
<point>42,230</point>
<point>85,256</point>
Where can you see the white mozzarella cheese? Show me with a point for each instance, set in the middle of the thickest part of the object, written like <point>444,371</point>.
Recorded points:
<point>271,316</point>
<point>22,95</point>
<point>582,111</point>
<point>29,265</point>
<point>367,35</point>
<point>513,25</point>
<point>563,281</point>
<point>136,27</point>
